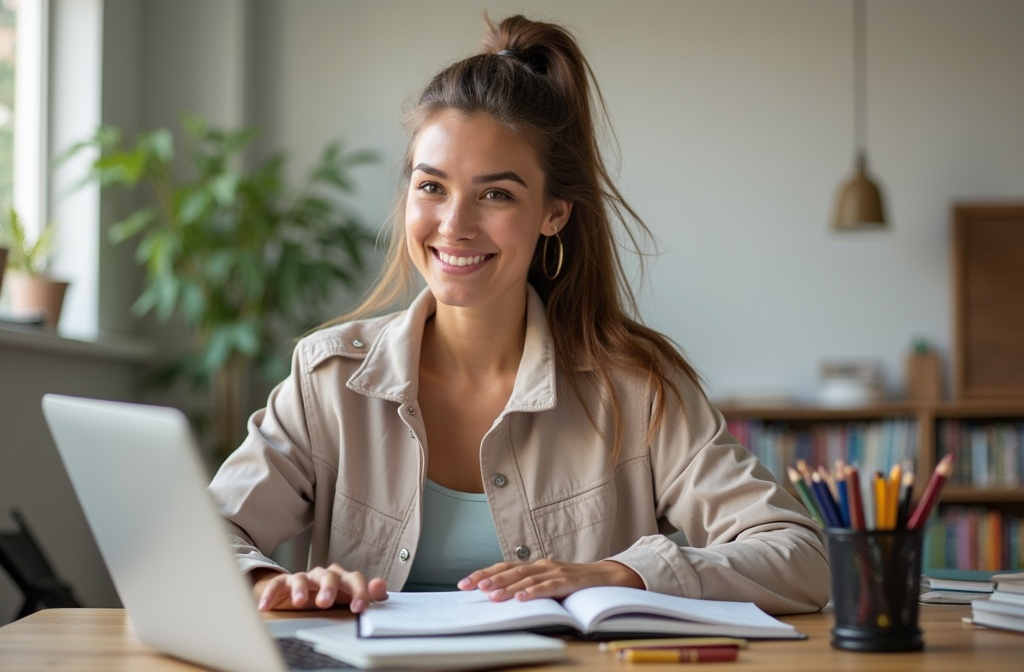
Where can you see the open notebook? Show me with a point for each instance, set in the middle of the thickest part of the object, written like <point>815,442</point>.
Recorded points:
<point>142,485</point>
<point>599,612</point>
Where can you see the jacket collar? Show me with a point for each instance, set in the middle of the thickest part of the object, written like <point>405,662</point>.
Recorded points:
<point>391,367</point>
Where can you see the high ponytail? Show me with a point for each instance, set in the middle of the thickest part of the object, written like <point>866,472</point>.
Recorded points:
<point>533,78</point>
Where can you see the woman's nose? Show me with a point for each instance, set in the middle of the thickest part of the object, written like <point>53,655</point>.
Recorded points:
<point>458,220</point>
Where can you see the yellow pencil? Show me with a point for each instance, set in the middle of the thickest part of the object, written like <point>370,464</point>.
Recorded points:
<point>881,505</point>
<point>892,495</point>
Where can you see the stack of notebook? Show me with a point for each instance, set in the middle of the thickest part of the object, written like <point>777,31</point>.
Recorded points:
<point>955,586</point>
<point>1004,608</point>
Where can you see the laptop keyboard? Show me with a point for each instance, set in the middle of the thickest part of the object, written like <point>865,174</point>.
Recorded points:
<point>300,655</point>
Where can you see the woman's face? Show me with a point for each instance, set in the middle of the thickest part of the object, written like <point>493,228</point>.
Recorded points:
<point>475,208</point>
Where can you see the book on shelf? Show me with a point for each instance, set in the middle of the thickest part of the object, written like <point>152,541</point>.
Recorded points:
<point>874,445</point>
<point>989,453</point>
<point>596,613</point>
<point>974,537</point>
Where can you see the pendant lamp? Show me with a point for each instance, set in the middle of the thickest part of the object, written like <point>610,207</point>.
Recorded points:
<point>859,203</point>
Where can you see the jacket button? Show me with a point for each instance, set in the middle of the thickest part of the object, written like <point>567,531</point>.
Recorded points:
<point>403,555</point>
<point>357,343</point>
<point>522,552</point>
<point>499,480</point>
<point>412,411</point>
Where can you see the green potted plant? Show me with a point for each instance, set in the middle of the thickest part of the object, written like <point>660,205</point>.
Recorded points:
<point>34,293</point>
<point>246,262</point>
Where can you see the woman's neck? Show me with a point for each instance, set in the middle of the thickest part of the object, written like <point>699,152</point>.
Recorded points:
<point>472,345</point>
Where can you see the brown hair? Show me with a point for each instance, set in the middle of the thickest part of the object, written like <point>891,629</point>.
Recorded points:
<point>532,78</point>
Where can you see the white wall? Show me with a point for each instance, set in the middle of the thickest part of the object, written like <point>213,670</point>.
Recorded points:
<point>735,120</point>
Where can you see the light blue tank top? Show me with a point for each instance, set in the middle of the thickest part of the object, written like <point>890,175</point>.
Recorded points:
<point>457,538</point>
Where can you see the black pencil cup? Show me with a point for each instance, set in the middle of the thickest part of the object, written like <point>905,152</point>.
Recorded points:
<point>876,584</point>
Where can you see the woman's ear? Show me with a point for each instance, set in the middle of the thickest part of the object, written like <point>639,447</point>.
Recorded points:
<point>558,215</point>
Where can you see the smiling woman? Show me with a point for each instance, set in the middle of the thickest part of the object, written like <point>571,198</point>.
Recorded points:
<point>475,207</point>
<point>566,437</point>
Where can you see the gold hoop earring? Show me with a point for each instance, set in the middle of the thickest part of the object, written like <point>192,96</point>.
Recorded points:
<point>544,257</point>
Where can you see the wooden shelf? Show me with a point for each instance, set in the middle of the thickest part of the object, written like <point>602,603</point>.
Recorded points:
<point>800,412</point>
<point>926,414</point>
<point>960,494</point>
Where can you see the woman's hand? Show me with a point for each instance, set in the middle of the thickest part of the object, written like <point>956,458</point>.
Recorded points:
<point>319,588</point>
<point>548,578</point>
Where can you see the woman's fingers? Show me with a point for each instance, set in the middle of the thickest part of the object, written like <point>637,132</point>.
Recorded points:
<point>322,588</point>
<point>548,578</point>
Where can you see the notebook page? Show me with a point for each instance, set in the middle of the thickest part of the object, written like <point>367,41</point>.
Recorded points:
<point>455,612</point>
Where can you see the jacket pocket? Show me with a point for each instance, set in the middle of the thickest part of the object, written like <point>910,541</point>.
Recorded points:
<point>577,529</point>
<point>361,536</point>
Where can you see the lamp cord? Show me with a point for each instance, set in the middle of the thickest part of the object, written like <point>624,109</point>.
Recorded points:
<point>860,93</point>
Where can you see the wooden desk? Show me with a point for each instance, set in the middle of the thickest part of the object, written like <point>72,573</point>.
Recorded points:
<point>100,640</point>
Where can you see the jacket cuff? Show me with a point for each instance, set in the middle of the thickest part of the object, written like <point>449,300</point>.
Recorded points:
<point>249,557</point>
<point>661,566</point>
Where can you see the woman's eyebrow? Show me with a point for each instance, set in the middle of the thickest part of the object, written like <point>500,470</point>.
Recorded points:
<point>496,177</point>
<point>479,179</point>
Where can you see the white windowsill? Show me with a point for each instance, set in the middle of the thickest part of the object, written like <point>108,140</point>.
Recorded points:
<point>109,346</point>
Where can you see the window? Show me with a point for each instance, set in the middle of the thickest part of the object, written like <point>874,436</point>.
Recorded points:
<point>8,36</point>
<point>50,82</point>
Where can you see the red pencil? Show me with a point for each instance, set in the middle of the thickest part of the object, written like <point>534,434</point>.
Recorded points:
<point>931,492</point>
<point>853,492</point>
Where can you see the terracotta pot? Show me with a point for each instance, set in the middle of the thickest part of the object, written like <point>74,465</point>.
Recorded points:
<point>39,295</point>
<point>924,376</point>
<point>3,265</point>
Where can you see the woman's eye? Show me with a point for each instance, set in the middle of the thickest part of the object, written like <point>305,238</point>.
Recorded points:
<point>496,195</point>
<point>429,187</point>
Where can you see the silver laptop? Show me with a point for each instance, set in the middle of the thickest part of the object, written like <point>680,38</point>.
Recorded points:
<point>141,482</point>
<point>139,477</point>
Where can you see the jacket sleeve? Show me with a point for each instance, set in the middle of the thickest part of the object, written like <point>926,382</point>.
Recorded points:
<point>747,539</point>
<point>265,487</point>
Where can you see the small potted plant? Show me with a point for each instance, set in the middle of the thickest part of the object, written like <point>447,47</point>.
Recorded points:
<point>34,293</point>
<point>3,265</point>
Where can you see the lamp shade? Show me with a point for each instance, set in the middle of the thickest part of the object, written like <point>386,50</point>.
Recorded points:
<point>859,204</point>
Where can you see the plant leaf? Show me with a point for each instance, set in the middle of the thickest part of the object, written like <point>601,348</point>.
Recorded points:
<point>130,226</point>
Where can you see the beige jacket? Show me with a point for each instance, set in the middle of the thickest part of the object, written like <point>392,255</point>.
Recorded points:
<point>341,446</point>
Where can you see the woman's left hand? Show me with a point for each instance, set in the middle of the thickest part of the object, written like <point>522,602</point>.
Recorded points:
<point>547,578</point>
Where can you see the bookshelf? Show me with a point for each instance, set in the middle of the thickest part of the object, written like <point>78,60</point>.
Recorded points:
<point>984,498</point>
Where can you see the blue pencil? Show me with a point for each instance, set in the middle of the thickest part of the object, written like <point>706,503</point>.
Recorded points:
<point>826,504</point>
<point>844,500</point>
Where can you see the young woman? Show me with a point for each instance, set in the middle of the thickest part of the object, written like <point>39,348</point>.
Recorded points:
<point>515,429</point>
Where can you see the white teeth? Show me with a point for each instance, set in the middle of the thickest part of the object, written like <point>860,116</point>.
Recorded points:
<point>452,260</point>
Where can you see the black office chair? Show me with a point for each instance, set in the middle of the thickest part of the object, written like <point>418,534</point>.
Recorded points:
<point>24,560</point>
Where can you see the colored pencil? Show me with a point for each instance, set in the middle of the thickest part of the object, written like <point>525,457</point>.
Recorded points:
<point>892,495</point>
<point>711,654</point>
<point>906,491</point>
<point>842,487</point>
<point>829,482</point>
<point>853,492</point>
<point>805,495</point>
<point>805,471</point>
<point>867,498</point>
<point>670,642</point>
<point>881,504</point>
<point>931,492</point>
<point>827,505</point>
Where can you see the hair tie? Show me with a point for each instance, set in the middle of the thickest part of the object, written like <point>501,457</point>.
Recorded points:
<point>507,52</point>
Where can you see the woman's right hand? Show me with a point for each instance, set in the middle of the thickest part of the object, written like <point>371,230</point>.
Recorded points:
<point>319,588</point>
